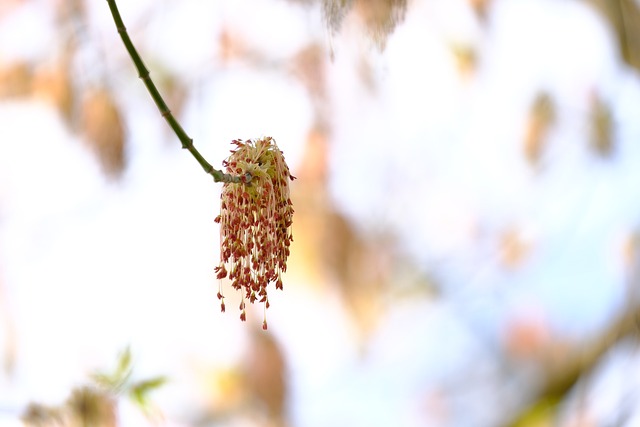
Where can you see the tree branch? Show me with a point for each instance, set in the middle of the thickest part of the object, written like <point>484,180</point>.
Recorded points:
<point>143,73</point>
<point>560,378</point>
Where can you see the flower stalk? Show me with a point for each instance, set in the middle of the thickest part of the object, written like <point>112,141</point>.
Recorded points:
<point>145,76</point>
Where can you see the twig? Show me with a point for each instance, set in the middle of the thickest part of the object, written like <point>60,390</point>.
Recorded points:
<point>143,73</point>
<point>560,378</point>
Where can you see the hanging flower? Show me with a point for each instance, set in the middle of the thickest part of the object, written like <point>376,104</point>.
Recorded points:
<point>255,221</point>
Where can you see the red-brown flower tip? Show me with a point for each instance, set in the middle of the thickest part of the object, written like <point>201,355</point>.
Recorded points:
<point>243,316</point>
<point>221,272</point>
<point>255,219</point>
<point>222,306</point>
<point>264,325</point>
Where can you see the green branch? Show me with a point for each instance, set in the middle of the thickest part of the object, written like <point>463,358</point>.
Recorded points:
<point>143,73</point>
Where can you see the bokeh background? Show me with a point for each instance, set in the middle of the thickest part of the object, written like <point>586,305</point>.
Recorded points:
<point>467,241</point>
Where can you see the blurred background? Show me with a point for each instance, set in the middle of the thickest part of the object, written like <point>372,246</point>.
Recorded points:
<point>467,228</point>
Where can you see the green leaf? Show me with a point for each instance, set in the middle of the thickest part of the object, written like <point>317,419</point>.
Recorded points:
<point>144,387</point>
<point>140,390</point>
<point>117,380</point>
<point>104,380</point>
<point>124,364</point>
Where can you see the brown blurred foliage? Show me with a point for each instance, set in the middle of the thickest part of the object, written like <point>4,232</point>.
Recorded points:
<point>100,121</point>
<point>514,248</point>
<point>265,376</point>
<point>624,17</point>
<point>36,415</point>
<point>308,65</point>
<point>631,251</point>
<point>311,199</point>
<point>542,117</point>
<point>8,326</point>
<point>328,248</point>
<point>53,84</point>
<point>103,129</point>
<point>601,127</point>
<point>359,266</point>
<point>232,45</point>
<point>380,17</point>
<point>335,11</point>
<point>466,59</point>
<point>480,7</point>
<point>87,406</point>
<point>15,79</point>
<point>95,405</point>
<point>50,79</point>
<point>91,407</point>
<point>68,10</point>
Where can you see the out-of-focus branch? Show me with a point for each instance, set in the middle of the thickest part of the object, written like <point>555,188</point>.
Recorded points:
<point>560,377</point>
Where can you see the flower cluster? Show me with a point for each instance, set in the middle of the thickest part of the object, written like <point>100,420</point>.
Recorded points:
<point>255,221</point>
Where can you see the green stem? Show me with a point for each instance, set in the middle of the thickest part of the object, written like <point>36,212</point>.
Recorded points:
<point>143,73</point>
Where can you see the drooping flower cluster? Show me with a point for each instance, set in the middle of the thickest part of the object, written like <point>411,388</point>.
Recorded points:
<point>255,221</point>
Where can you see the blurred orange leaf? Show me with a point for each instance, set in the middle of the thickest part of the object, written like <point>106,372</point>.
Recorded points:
<point>102,126</point>
<point>542,116</point>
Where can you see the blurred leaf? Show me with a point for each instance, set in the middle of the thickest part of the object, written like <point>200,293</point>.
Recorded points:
<point>335,11</point>
<point>601,122</point>
<point>103,129</point>
<point>514,247</point>
<point>91,407</point>
<point>480,7</point>
<point>542,117</point>
<point>124,364</point>
<point>308,66</point>
<point>631,251</point>
<point>104,380</point>
<point>227,389</point>
<point>68,11</point>
<point>15,79</point>
<point>624,17</point>
<point>117,380</point>
<point>140,389</point>
<point>53,84</point>
<point>265,375</point>
<point>360,266</point>
<point>232,44</point>
<point>139,393</point>
<point>466,58</point>
<point>379,16</point>
<point>37,415</point>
